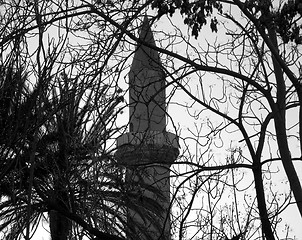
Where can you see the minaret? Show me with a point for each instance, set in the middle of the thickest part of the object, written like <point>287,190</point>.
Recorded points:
<point>147,150</point>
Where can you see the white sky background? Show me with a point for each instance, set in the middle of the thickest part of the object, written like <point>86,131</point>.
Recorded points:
<point>181,118</point>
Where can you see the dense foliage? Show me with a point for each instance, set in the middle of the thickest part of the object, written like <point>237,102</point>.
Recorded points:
<point>196,14</point>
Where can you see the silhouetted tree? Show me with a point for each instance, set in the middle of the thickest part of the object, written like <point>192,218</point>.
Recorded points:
<point>63,66</point>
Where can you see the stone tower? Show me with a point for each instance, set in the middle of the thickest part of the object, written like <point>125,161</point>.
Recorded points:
<point>147,150</point>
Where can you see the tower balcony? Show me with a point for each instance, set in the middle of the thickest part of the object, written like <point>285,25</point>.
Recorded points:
<point>144,148</point>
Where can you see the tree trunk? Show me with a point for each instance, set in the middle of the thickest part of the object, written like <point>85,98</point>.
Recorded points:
<point>287,161</point>
<point>266,225</point>
<point>59,226</point>
<point>280,127</point>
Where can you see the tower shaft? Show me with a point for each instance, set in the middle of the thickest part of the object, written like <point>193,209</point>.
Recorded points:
<point>147,151</point>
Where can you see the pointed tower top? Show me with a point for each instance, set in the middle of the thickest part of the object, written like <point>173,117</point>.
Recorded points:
<point>145,31</point>
<point>144,56</point>
<point>147,86</point>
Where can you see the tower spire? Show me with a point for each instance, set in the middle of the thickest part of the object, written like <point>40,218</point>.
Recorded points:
<point>146,57</point>
<point>147,86</point>
<point>147,151</point>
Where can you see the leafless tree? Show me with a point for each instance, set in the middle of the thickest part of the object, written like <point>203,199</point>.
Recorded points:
<point>240,89</point>
<point>248,77</point>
